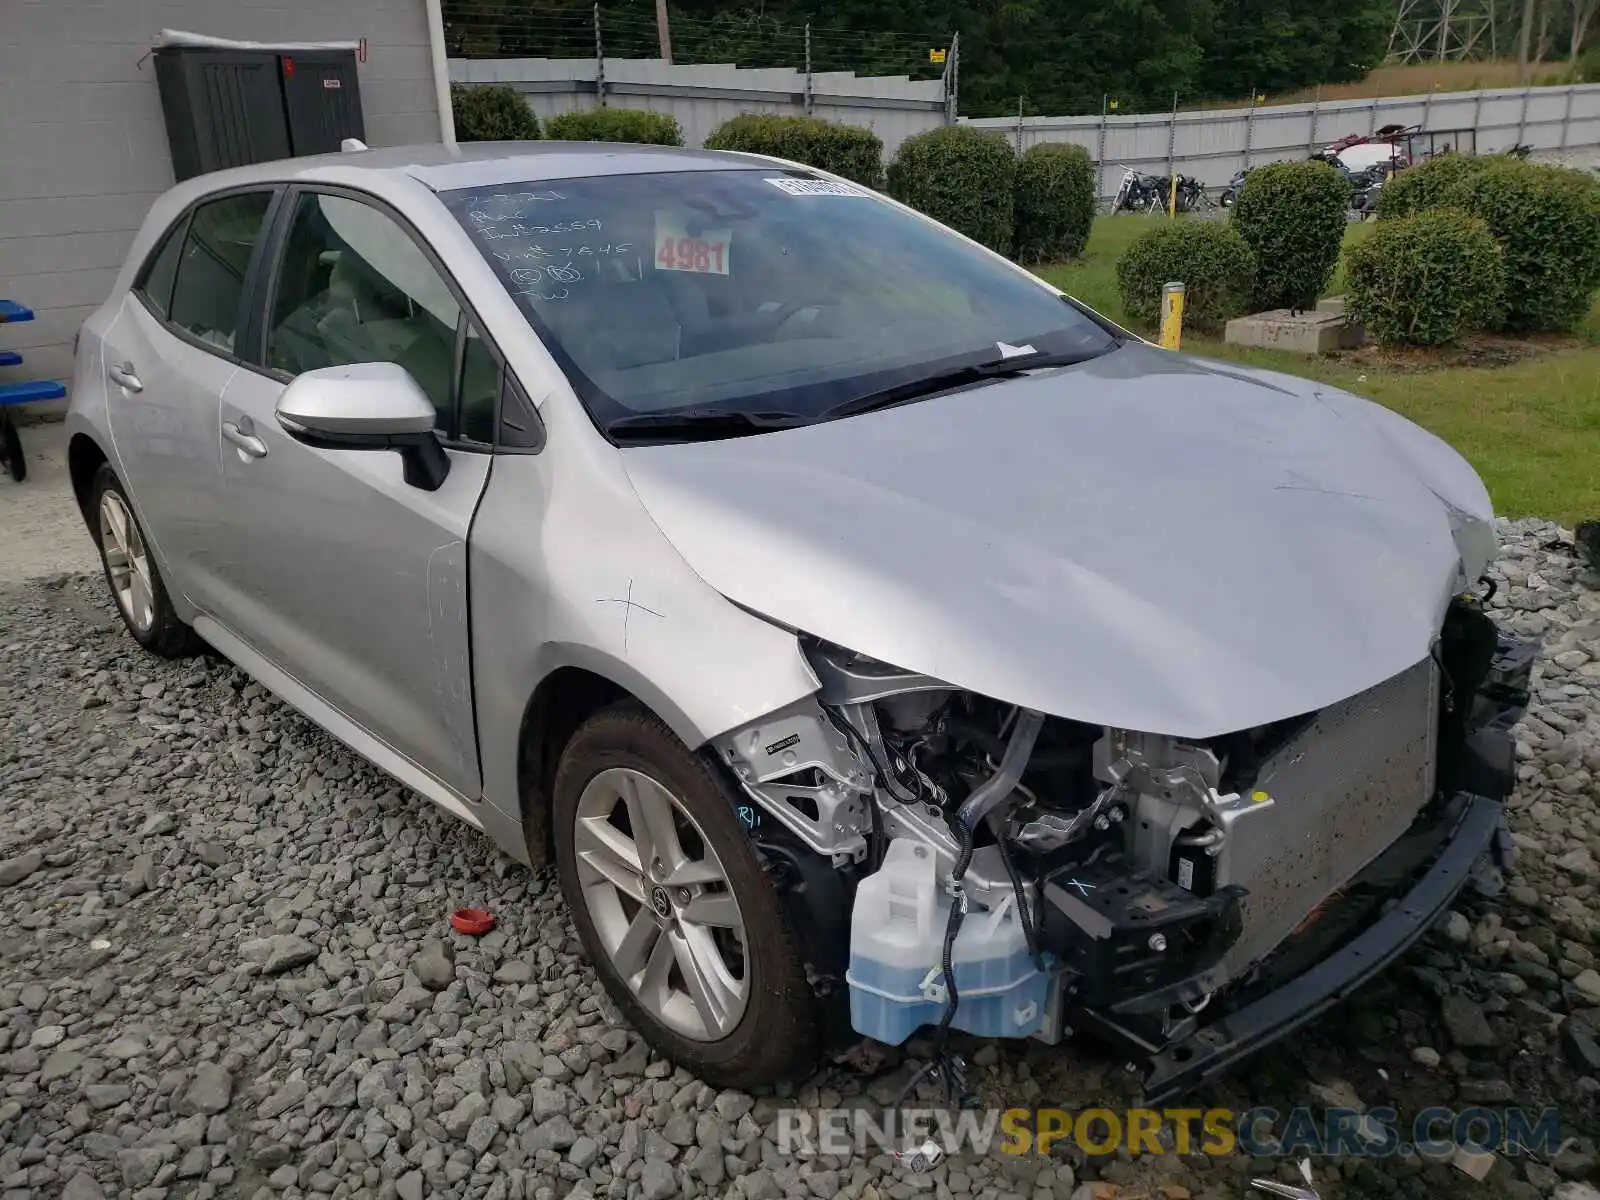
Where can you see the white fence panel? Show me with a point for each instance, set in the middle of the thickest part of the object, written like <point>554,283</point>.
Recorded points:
<point>1212,145</point>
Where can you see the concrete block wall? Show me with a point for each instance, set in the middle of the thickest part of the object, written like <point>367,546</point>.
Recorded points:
<point>83,145</point>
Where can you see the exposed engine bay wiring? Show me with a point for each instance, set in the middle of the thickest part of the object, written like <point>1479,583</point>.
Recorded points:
<point>1012,871</point>
<point>987,797</point>
<point>1040,793</point>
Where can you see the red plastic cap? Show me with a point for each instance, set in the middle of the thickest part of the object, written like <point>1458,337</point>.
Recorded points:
<point>473,921</point>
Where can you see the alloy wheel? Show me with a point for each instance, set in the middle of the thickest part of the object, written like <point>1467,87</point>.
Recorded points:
<point>127,562</point>
<point>661,903</point>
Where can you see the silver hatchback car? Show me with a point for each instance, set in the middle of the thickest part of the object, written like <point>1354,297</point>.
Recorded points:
<point>874,637</point>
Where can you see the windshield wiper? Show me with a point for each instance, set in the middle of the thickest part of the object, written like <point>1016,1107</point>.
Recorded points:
<point>700,422</point>
<point>943,381</point>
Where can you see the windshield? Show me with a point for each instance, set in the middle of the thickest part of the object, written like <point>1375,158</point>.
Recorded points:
<point>741,290</point>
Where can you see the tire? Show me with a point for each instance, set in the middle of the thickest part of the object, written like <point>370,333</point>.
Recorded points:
<point>139,593</point>
<point>14,462</point>
<point>774,1030</point>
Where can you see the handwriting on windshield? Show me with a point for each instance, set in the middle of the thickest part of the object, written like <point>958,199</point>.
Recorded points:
<point>489,229</point>
<point>517,197</point>
<point>546,251</point>
<point>538,252</point>
<point>558,272</point>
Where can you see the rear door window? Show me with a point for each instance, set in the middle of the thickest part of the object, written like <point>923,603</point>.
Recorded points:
<point>208,287</point>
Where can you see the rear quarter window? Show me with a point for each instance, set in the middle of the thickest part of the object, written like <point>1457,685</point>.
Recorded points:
<point>161,269</point>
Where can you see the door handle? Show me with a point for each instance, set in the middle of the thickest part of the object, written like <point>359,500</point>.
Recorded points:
<point>123,376</point>
<point>248,444</point>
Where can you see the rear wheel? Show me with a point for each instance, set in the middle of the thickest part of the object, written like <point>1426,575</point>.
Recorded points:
<point>131,572</point>
<point>667,892</point>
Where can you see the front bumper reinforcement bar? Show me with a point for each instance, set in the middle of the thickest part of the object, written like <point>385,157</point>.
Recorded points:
<point>1182,1065</point>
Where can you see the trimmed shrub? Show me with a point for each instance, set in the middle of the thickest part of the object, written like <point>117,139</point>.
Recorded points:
<point>1211,259</point>
<point>1426,186</point>
<point>1054,198</point>
<point>615,125</point>
<point>847,150</point>
<point>1293,216</point>
<point>1547,220</point>
<point>961,176</point>
<point>491,114</point>
<point>1588,68</point>
<point>1427,278</point>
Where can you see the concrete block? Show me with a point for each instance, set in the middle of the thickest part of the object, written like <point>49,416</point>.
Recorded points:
<point>1472,1161</point>
<point>1333,306</point>
<point>1304,333</point>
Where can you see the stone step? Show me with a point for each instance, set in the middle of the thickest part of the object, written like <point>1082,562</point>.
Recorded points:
<point>1316,332</point>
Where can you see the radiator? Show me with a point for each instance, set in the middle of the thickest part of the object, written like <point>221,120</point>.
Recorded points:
<point>1343,791</point>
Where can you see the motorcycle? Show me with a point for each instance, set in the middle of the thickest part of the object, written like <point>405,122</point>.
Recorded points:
<point>1137,193</point>
<point>1365,187</point>
<point>1230,194</point>
<point>1150,194</point>
<point>1364,200</point>
<point>1191,195</point>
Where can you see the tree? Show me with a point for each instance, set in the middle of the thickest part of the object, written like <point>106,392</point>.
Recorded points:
<point>1583,12</point>
<point>1280,45</point>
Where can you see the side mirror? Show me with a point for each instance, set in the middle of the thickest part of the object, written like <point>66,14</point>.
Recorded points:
<point>367,406</point>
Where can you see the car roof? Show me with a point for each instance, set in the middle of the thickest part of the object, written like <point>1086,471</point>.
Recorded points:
<point>478,164</point>
<point>439,168</point>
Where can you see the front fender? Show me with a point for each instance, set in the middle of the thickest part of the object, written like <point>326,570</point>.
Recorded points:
<point>568,570</point>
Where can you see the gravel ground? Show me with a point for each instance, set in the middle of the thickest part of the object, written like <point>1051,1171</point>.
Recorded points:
<point>41,532</point>
<point>225,969</point>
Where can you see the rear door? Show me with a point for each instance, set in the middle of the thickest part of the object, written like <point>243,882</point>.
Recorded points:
<point>168,355</point>
<point>341,573</point>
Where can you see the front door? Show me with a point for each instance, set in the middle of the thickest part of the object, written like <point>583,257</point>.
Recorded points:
<point>168,356</point>
<point>342,574</point>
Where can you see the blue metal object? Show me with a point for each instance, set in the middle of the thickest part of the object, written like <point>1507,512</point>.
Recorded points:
<point>31,390</point>
<point>10,358</point>
<point>10,311</point>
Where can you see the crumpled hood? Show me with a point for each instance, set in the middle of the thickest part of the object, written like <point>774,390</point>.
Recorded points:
<point>1144,540</point>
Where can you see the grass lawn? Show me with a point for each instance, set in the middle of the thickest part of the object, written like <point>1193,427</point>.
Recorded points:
<point>1531,427</point>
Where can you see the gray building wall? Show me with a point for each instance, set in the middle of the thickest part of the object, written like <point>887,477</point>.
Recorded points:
<point>83,145</point>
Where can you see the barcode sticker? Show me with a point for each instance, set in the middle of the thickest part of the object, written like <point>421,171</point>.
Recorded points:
<point>814,187</point>
<point>1186,874</point>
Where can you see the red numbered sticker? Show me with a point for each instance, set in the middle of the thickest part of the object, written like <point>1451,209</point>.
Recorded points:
<point>704,252</point>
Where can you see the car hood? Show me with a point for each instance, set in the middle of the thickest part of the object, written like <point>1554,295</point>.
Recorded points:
<point>1144,540</point>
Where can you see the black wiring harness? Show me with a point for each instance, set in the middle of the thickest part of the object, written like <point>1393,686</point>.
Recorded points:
<point>941,1064</point>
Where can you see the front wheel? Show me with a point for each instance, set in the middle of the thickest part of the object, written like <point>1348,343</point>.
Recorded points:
<point>683,925</point>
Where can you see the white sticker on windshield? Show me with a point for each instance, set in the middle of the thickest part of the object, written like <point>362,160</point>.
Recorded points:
<point>814,187</point>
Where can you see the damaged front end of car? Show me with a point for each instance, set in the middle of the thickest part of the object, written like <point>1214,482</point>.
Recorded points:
<point>957,861</point>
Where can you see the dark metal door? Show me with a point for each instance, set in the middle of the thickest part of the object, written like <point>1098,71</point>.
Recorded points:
<point>222,107</point>
<point>322,98</point>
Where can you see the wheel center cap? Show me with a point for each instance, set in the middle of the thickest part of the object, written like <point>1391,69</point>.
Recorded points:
<point>661,902</point>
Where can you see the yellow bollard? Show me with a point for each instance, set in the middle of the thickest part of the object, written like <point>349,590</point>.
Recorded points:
<point>1172,316</point>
